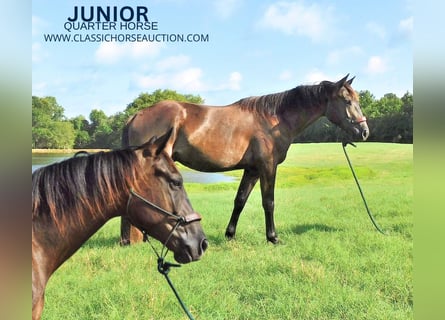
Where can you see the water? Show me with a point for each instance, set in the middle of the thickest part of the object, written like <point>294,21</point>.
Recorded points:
<point>191,176</point>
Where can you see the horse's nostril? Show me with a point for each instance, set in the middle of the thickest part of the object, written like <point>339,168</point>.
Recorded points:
<point>204,245</point>
<point>365,134</point>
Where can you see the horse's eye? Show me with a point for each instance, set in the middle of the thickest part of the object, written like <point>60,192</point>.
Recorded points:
<point>176,183</point>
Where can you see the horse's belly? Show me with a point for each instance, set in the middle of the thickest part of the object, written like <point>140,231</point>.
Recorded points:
<point>216,141</point>
<point>210,156</point>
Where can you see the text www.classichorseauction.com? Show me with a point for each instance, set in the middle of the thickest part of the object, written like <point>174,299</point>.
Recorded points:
<point>87,23</point>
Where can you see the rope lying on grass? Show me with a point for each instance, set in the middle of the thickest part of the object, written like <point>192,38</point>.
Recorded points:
<point>374,222</point>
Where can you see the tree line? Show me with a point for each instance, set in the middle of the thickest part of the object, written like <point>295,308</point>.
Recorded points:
<point>390,119</point>
<point>52,130</point>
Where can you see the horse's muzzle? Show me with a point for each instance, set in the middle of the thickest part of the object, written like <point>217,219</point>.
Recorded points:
<point>192,252</point>
<point>364,130</point>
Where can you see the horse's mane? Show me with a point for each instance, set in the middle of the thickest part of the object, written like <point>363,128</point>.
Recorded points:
<point>303,96</point>
<point>73,190</point>
<point>271,104</point>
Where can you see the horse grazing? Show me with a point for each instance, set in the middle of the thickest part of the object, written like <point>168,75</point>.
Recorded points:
<point>72,199</point>
<point>253,134</point>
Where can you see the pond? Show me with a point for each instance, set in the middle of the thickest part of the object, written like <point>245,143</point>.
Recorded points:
<point>191,176</point>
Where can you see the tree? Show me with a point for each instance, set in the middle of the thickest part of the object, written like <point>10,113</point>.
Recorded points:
<point>117,123</point>
<point>367,103</point>
<point>390,119</point>
<point>41,137</point>
<point>408,116</point>
<point>390,104</point>
<point>45,110</point>
<point>81,128</point>
<point>407,104</point>
<point>63,135</point>
<point>99,129</point>
<point>50,129</point>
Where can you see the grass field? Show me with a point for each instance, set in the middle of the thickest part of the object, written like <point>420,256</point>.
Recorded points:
<point>330,262</point>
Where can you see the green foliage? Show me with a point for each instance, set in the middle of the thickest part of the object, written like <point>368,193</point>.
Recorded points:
<point>390,119</point>
<point>330,263</point>
<point>45,110</point>
<point>394,122</point>
<point>49,127</point>
<point>367,101</point>
<point>99,129</point>
<point>63,135</point>
<point>145,99</point>
<point>117,123</point>
<point>81,127</point>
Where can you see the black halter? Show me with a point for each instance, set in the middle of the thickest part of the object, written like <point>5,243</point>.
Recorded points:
<point>164,266</point>
<point>180,220</point>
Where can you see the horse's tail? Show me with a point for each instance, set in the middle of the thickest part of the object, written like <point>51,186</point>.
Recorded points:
<point>125,139</point>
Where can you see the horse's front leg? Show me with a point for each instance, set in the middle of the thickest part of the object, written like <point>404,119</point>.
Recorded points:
<point>129,233</point>
<point>267,181</point>
<point>39,280</point>
<point>37,306</point>
<point>248,181</point>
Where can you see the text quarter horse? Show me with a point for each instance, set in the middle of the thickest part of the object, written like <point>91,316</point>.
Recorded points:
<point>72,199</point>
<point>253,134</point>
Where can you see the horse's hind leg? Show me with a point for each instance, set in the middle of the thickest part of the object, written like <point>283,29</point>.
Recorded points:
<point>248,181</point>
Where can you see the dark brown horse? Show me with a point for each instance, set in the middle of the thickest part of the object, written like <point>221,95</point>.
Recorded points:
<point>253,134</point>
<point>72,199</point>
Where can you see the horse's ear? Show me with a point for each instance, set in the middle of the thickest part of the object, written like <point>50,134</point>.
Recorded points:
<point>350,80</point>
<point>341,82</point>
<point>155,145</point>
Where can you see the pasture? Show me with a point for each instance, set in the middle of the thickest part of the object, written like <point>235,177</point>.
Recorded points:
<point>330,262</point>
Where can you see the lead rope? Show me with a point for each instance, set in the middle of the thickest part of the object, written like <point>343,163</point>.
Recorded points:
<point>164,268</point>
<point>344,144</point>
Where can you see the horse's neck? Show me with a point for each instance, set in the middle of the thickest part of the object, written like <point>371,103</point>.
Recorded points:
<point>77,234</point>
<point>299,117</point>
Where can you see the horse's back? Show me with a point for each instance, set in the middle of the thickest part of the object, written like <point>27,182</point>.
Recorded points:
<point>205,138</point>
<point>152,121</point>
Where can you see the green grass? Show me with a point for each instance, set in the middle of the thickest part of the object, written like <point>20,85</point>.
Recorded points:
<point>330,262</point>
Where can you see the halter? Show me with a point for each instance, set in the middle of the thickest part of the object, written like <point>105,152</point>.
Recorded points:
<point>180,220</point>
<point>164,266</point>
<point>358,121</point>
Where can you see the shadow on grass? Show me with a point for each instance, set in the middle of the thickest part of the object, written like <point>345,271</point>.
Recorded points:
<point>217,239</point>
<point>300,229</point>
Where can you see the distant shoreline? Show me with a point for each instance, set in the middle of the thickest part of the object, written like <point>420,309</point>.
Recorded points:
<point>66,150</point>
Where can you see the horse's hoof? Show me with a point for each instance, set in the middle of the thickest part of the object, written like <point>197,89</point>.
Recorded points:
<point>229,235</point>
<point>124,242</point>
<point>273,240</point>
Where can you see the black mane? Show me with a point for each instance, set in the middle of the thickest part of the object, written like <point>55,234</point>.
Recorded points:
<point>301,96</point>
<point>72,190</point>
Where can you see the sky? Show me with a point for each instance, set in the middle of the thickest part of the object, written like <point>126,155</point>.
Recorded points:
<point>243,48</point>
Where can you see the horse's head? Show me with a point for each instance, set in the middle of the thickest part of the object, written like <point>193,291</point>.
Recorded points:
<point>159,205</point>
<point>343,108</point>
